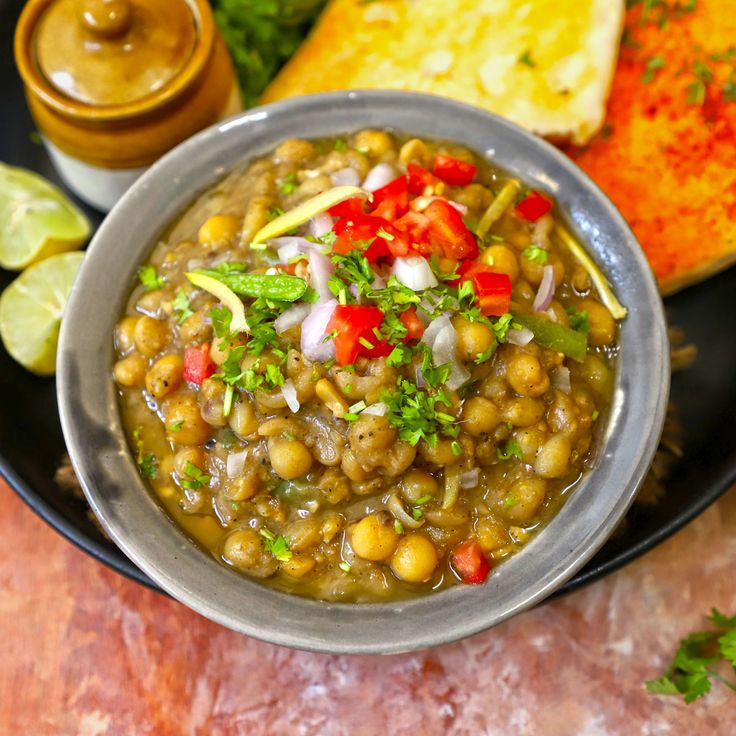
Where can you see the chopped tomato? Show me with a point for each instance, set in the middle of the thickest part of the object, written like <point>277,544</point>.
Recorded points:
<point>492,290</point>
<point>420,178</point>
<point>354,327</point>
<point>448,231</point>
<point>414,327</point>
<point>391,201</point>
<point>470,563</point>
<point>348,208</point>
<point>355,230</point>
<point>415,224</point>
<point>289,268</point>
<point>533,206</point>
<point>197,364</point>
<point>453,171</point>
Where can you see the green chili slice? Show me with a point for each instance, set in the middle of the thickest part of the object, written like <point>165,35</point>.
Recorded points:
<point>279,287</point>
<point>554,336</point>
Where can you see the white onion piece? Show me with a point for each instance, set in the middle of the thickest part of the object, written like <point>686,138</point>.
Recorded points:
<point>289,247</point>
<point>434,328</point>
<point>552,315</point>
<point>399,513</point>
<point>469,479</point>
<point>355,291</point>
<point>419,204</point>
<point>347,177</point>
<point>452,486</point>
<point>235,463</point>
<point>461,208</point>
<point>444,351</point>
<point>379,176</point>
<point>561,379</point>
<point>288,391</point>
<point>320,225</point>
<point>519,337</point>
<point>320,270</point>
<point>546,289</point>
<point>314,328</point>
<point>415,273</point>
<point>291,317</point>
<point>378,283</point>
<point>419,378</point>
<point>379,409</point>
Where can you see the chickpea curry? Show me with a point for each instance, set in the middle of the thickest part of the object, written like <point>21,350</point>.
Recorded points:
<point>366,368</point>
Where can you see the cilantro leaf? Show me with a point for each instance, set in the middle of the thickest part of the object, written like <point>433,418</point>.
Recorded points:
<point>278,546</point>
<point>150,278</point>
<point>526,58</point>
<point>536,254</point>
<point>182,306</point>
<point>579,320</point>
<point>195,477</point>
<point>512,449</point>
<point>148,466</point>
<point>288,184</point>
<point>221,318</point>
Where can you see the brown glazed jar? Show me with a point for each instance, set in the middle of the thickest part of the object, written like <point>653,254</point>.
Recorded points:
<point>114,84</point>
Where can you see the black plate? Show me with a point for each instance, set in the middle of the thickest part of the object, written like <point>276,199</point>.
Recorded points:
<point>31,444</point>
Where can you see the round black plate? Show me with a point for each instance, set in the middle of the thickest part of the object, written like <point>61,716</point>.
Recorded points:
<point>32,447</point>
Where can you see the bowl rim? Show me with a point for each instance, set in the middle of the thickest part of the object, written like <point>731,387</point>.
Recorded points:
<point>136,522</point>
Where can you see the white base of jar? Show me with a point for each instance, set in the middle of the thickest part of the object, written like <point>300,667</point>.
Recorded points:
<point>101,188</point>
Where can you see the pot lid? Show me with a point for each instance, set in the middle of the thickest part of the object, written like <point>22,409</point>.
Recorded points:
<point>113,52</point>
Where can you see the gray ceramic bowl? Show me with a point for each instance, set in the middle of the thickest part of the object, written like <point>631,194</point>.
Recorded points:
<point>92,424</point>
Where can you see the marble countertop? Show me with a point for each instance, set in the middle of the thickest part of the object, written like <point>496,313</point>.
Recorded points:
<point>86,652</point>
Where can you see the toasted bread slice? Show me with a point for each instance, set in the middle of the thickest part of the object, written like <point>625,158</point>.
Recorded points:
<point>545,64</point>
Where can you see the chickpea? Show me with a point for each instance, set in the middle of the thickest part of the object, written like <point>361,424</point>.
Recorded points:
<point>415,151</point>
<point>130,372</point>
<point>502,259</point>
<point>373,142</point>
<point>244,486</point>
<point>415,558</point>
<point>150,303</point>
<point>351,467</point>
<point>480,415</point>
<point>597,375</point>
<point>289,458</point>
<point>526,497</point>
<point>256,216</point>
<point>299,566</point>
<point>530,440</point>
<point>219,229</point>
<point>602,324</point>
<point>165,375</point>
<point>327,393</point>
<point>374,537</point>
<point>533,271</point>
<point>150,336</point>
<point>491,535</point>
<point>303,534</point>
<point>243,549</point>
<point>184,423</point>
<point>220,348</point>
<point>475,196</point>
<point>194,455</point>
<point>523,412</point>
<point>243,419</point>
<point>418,483</point>
<point>473,338</point>
<point>294,150</point>
<point>212,402</point>
<point>553,458</point>
<point>440,454</point>
<point>526,376</point>
<point>124,334</point>
<point>195,329</point>
<point>370,434</point>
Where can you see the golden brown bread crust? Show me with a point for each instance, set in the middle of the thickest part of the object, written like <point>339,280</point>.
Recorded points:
<point>545,64</point>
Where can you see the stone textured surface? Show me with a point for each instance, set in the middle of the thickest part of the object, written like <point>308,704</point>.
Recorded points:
<point>85,652</point>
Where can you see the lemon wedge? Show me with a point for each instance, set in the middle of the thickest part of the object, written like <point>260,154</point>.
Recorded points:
<point>306,211</point>
<point>226,295</point>
<point>36,219</point>
<point>31,309</point>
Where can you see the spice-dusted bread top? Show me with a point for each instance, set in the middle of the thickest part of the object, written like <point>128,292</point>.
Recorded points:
<point>545,64</point>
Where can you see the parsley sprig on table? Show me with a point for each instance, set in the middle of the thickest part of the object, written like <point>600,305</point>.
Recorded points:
<point>692,670</point>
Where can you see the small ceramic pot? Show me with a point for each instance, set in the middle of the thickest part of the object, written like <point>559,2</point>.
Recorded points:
<point>114,84</point>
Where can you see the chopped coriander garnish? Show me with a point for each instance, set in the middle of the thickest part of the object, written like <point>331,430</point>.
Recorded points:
<point>227,401</point>
<point>367,344</point>
<point>195,479</point>
<point>288,185</point>
<point>176,426</point>
<point>147,463</point>
<point>536,254</point>
<point>398,527</point>
<point>423,499</point>
<point>486,354</point>
<point>278,546</point>
<point>221,318</point>
<point>509,501</point>
<point>526,58</point>
<point>182,306</point>
<point>149,278</point>
<point>273,213</point>
<point>400,355</point>
<point>417,513</point>
<point>595,414</point>
<point>358,407</point>
<point>579,320</point>
<point>340,145</point>
<point>345,566</point>
<point>456,448</point>
<point>512,449</point>
<point>381,233</point>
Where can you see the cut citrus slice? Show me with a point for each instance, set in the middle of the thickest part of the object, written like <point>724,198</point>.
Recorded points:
<point>31,309</point>
<point>36,219</point>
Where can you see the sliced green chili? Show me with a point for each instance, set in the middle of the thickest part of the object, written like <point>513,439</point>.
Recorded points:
<point>554,336</point>
<point>280,287</point>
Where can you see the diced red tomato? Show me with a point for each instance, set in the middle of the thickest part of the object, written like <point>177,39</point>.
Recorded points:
<point>493,292</point>
<point>415,225</point>
<point>364,228</point>
<point>197,364</point>
<point>470,563</point>
<point>348,208</point>
<point>354,327</point>
<point>453,171</point>
<point>392,200</point>
<point>420,178</point>
<point>447,230</point>
<point>533,206</point>
<point>410,320</point>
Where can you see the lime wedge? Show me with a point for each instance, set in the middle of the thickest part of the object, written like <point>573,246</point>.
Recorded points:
<point>31,309</point>
<point>36,219</point>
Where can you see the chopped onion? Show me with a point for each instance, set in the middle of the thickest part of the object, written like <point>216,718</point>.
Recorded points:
<point>290,247</point>
<point>320,270</point>
<point>561,379</point>
<point>469,479</point>
<point>319,225</point>
<point>419,204</point>
<point>355,291</point>
<point>378,283</point>
<point>552,315</point>
<point>434,328</point>
<point>419,378</point>
<point>314,328</point>
<point>444,351</point>
<point>519,337</point>
<point>291,317</point>
<point>379,409</point>
<point>461,208</point>
<point>288,390</point>
<point>347,177</point>
<point>399,513</point>
<point>415,273</point>
<point>235,463</point>
<point>452,486</point>
<point>379,176</point>
<point>546,289</point>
